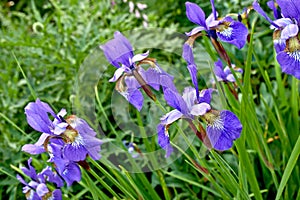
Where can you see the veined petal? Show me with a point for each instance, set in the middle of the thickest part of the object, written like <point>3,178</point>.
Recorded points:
<point>135,97</point>
<point>235,34</point>
<point>289,31</point>
<point>118,73</point>
<point>200,109</point>
<point>290,62</point>
<point>118,50</point>
<point>74,152</point>
<point>164,140</point>
<point>205,95</point>
<point>170,117</point>
<point>290,8</point>
<point>224,130</point>
<point>139,57</point>
<point>71,173</point>
<point>195,14</point>
<point>176,101</point>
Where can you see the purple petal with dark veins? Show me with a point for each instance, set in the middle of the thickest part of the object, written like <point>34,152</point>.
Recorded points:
<point>235,34</point>
<point>118,50</point>
<point>135,97</point>
<point>290,63</point>
<point>224,131</point>
<point>176,101</point>
<point>290,8</point>
<point>74,152</point>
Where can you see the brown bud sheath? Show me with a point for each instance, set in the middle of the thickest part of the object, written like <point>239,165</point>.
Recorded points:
<point>144,85</point>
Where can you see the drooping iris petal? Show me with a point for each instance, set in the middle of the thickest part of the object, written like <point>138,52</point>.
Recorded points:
<point>193,73</point>
<point>195,14</point>
<point>56,194</point>
<point>171,117</point>
<point>236,33</point>
<point>290,8</point>
<point>290,62</point>
<point>176,101</point>
<point>135,97</point>
<point>74,152</point>
<point>224,130</point>
<point>164,140</point>
<point>71,173</point>
<point>187,53</point>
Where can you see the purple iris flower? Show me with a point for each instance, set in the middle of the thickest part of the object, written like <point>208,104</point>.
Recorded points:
<point>226,29</point>
<point>37,189</point>
<point>67,169</point>
<point>129,76</point>
<point>286,34</point>
<point>224,74</point>
<point>78,137</point>
<point>222,126</point>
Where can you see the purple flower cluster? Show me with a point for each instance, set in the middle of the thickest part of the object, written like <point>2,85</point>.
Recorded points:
<point>68,141</point>
<point>286,33</point>
<point>37,188</point>
<point>222,126</point>
<point>130,76</point>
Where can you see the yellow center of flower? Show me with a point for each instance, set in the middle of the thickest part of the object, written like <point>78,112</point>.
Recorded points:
<point>293,44</point>
<point>213,119</point>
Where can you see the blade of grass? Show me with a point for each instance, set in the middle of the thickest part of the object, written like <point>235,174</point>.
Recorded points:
<point>33,94</point>
<point>289,168</point>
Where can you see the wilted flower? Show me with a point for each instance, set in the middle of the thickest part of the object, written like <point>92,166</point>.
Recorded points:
<point>129,75</point>
<point>37,189</point>
<point>286,34</point>
<point>222,126</point>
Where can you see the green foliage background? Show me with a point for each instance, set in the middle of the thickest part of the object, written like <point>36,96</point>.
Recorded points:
<point>50,39</point>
